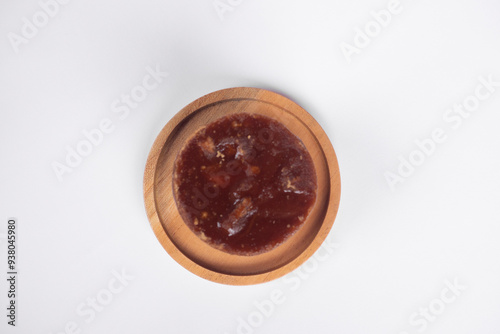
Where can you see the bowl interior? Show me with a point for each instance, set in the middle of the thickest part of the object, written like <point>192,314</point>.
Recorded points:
<point>193,247</point>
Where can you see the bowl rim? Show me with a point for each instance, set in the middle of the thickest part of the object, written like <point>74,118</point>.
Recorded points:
<point>249,93</point>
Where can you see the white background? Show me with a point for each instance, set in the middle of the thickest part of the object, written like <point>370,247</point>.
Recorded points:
<point>394,249</point>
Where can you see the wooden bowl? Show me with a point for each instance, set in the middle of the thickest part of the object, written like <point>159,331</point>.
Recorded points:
<point>187,248</point>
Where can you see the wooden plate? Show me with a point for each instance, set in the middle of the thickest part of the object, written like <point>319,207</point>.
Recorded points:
<point>199,257</point>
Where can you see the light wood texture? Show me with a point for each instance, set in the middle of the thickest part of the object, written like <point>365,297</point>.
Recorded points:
<point>199,257</point>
